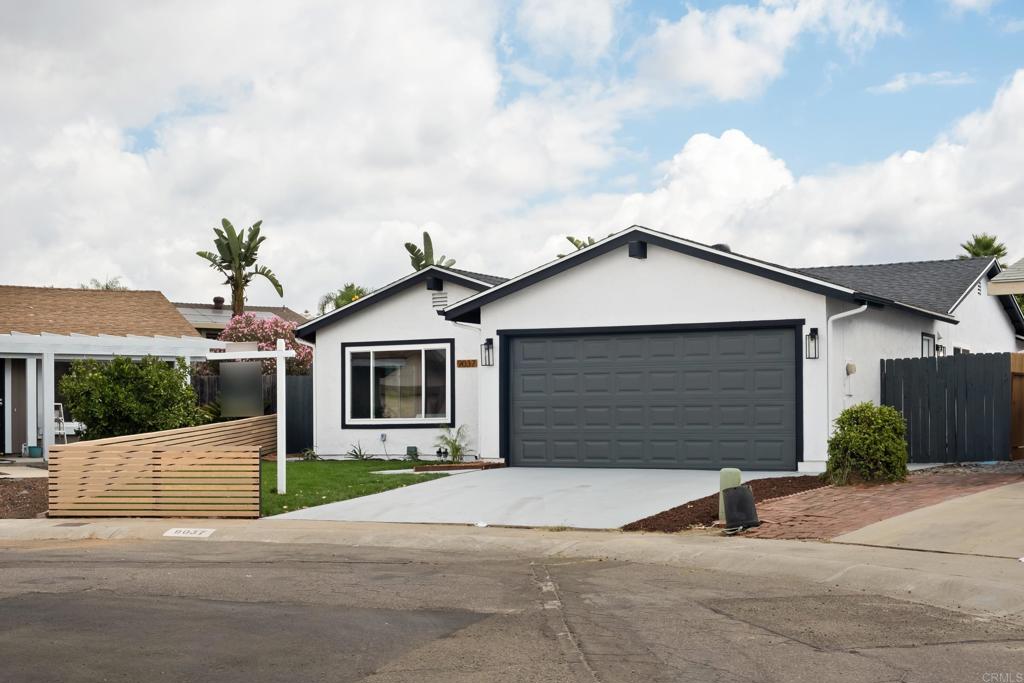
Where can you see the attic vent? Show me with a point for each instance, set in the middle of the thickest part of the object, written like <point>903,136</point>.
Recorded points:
<point>439,299</point>
<point>721,246</point>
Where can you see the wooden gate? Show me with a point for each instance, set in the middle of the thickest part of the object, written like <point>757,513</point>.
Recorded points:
<point>958,408</point>
<point>1017,406</point>
<point>207,471</point>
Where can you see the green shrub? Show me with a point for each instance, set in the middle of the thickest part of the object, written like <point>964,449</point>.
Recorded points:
<point>456,442</point>
<point>122,396</point>
<point>870,443</point>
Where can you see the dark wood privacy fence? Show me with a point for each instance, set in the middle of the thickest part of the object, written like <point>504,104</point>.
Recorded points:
<point>1017,406</point>
<point>958,408</point>
<point>207,471</point>
<point>299,417</point>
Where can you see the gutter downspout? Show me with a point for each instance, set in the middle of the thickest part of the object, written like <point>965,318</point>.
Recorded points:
<point>828,361</point>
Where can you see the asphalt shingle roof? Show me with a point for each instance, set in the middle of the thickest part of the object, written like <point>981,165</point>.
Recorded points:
<point>932,285</point>
<point>34,310</point>
<point>492,280</point>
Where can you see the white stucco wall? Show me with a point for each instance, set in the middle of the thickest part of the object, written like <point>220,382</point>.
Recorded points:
<point>867,338</point>
<point>407,315</point>
<point>665,288</point>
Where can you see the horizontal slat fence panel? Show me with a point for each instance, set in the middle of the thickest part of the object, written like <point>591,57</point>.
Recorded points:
<point>207,471</point>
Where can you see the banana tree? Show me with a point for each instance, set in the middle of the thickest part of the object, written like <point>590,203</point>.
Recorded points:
<point>578,243</point>
<point>237,253</point>
<point>421,258</point>
<point>341,297</point>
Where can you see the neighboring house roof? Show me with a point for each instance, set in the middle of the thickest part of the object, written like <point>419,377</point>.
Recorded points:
<point>468,310</point>
<point>1010,281</point>
<point>932,285</point>
<point>35,310</point>
<point>469,279</point>
<point>211,316</point>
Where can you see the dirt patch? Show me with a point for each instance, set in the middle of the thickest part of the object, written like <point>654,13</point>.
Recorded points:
<point>704,511</point>
<point>23,498</point>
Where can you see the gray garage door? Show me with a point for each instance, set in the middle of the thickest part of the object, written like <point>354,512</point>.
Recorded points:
<point>702,400</point>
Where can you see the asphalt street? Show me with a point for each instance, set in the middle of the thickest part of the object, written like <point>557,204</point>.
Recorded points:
<point>184,610</point>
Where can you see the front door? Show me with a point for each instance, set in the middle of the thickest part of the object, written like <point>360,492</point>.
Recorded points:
<point>3,405</point>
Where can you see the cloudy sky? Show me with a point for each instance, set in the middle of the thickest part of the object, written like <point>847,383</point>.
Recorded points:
<point>809,132</point>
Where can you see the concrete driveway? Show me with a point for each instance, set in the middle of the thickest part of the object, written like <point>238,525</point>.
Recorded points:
<point>528,496</point>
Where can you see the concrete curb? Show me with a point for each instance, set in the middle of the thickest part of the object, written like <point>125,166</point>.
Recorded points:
<point>983,586</point>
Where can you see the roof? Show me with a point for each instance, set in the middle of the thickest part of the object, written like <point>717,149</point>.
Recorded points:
<point>1010,281</point>
<point>475,281</point>
<point>932,285</point>
<point>209,316</point>
<point>35,310</point>
<point>923,289</point>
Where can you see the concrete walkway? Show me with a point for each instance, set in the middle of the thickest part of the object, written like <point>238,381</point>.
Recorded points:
<point>985,523</point>
<point>531,496</point>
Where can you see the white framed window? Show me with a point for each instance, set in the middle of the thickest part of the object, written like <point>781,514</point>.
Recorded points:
<point>398,384</point>
<point>927,345</point>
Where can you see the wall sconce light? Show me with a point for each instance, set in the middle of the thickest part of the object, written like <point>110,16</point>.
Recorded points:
<point>940,350</point>
<point>811,344</point>
<point>487,352</point>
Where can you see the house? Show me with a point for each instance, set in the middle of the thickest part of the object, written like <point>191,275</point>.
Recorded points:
<point>388,368</point>
<point>1010,281</point>
<point>209,320</point>
<point>43,329</point>
<point>649,350</point>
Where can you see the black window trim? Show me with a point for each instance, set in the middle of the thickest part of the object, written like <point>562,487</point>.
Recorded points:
<point>924,336</point>
<point>383,426</point>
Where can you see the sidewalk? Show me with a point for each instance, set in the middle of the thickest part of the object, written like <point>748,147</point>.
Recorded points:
<point>984,586</point>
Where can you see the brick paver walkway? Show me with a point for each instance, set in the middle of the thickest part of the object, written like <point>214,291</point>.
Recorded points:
<point>832,511</point>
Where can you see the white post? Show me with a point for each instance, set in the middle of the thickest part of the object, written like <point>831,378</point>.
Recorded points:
<point>282,451</point>
<point>47,412</point>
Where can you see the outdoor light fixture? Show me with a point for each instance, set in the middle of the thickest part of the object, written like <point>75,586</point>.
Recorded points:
<point>487,352</point>
<point>811,344</point>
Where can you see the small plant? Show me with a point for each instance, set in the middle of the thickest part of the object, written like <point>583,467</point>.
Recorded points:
<point>869,444</point>
<point>310,454</point>
<point>454,442</point>
<point>356,452</point>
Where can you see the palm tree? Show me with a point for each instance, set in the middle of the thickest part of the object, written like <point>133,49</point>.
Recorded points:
<point>111,284</point>
<point>237,252</point>
<point>338,298</point>
<point>421,258</point>
<point>983,245</point>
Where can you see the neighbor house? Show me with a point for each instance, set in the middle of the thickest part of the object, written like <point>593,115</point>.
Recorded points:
<point>642,350</point>
<point>209,320</point>
<point>44,329</point>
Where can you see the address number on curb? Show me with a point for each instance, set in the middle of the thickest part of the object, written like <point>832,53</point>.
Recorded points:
<point>182,532</point>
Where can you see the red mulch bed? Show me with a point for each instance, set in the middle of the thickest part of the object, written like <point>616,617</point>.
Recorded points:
<point>23,498</point>
<point>704,511</point>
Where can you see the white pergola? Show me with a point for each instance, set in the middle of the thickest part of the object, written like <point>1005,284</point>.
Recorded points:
<point>41,351</point>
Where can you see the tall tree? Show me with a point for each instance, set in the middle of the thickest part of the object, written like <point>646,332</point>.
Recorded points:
<point>983,245</point>
<point>111,284</point>
<point>341,297</point>
<point>421,258</point>
<point>237,253</point>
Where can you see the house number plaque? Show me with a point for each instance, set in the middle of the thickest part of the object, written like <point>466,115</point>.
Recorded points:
<point>466,363</point>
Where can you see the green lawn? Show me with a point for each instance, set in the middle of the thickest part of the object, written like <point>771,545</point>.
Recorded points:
<point>326,481</point>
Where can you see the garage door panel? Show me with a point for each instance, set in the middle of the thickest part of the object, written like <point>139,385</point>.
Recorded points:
<point>686,399</point>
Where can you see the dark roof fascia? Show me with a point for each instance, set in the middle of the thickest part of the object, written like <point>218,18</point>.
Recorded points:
<point>469,312</point>
<point>308,331</point>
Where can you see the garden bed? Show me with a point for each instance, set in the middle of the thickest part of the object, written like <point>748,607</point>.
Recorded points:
<point>444,467</point>
<point>703,512</point>
<point>23,498</point>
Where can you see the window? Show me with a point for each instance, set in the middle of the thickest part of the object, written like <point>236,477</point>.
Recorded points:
<point>927,345</point>
<point>398,384</point>
<point>960,351</point>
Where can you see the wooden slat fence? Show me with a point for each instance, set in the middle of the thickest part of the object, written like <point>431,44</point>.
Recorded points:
<point>207,471</point>
<point>1017,406</point>
<point>958,408</point>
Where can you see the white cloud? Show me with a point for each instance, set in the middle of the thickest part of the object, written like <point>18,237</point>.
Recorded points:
<point>971,5</point>
<point>734,51</point>
<point>912,205</point>
<point>583,29</point>
<point>905,81</point>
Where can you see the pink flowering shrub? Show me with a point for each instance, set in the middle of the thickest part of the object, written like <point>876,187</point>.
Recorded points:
<point>266,331</point>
